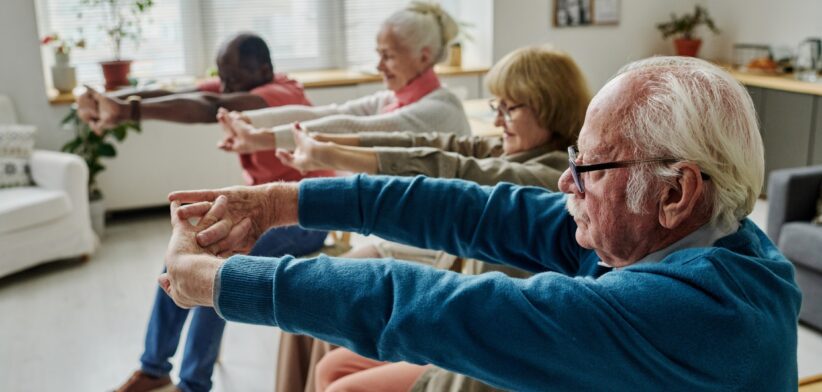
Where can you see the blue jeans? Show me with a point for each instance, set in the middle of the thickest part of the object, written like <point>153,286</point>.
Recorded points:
<point>206,329</point>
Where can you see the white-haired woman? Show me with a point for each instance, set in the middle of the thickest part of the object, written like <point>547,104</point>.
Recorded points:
<point>410,42</point>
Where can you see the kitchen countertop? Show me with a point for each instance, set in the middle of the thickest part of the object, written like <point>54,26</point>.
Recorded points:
<point>784,82</point>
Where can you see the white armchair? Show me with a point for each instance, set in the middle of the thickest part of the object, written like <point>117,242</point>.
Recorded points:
<point>49,220</point>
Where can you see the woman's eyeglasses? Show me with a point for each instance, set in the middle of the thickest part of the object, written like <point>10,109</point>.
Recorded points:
<point>501,109</point>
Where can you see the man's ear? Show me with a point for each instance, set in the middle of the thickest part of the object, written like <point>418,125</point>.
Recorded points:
<point>679,200</point>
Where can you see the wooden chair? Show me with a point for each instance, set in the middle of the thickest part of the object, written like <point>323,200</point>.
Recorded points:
<point>811,384</point>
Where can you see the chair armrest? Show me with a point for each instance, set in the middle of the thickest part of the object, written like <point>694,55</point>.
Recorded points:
<point>792,196</point>
<point>61,171</point>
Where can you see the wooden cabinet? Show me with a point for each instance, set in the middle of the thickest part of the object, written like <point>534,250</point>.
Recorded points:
<point>816,137</point>
<point>787,120</point>
<point>791,127</point>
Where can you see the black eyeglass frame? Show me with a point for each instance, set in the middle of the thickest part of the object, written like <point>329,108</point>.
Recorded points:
<point>577,169</point>
<point>504,110</point>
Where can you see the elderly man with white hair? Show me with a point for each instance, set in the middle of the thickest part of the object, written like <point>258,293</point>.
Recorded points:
<point>655,280</point>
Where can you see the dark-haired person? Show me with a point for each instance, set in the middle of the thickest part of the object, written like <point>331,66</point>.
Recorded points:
<point>247,81</point>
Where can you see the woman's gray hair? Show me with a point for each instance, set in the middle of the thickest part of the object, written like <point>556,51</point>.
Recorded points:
<point>692,110</point>
<point>422,24</point>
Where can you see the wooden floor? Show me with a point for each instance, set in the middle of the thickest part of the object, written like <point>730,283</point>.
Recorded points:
<point>79,326</point>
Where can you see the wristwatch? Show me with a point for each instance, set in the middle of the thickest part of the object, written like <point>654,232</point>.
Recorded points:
<point>134,103</point>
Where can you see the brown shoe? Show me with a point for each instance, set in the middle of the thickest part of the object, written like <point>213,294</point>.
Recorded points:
<point>141,382</point>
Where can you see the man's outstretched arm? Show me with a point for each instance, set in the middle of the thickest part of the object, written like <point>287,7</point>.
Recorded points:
<point>197,107</point>
<point>523,226</point>
<point>192,107</point>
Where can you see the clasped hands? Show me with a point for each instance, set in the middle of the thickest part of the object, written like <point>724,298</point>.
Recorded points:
<point>240,136</point>
<point>100,111</point>
<point>230,220</point>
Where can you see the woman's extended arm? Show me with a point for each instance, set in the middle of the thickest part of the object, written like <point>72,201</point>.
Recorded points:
<point>311,154</point>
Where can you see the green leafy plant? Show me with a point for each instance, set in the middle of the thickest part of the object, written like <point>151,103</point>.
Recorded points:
<point>464,33</point>
<point>122,20</point>
<point>684,25</point>
<point>92,147</point>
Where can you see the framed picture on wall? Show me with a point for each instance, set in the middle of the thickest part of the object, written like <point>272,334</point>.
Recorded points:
<point>569,13</point>
<point>606,12</point>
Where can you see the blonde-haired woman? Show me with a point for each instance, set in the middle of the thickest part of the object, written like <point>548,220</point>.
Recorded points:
<point>541,101</point>
<point>410,42</point>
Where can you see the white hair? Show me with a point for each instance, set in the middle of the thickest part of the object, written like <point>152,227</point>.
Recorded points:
<point>423,24</point>
<point>689,109</point>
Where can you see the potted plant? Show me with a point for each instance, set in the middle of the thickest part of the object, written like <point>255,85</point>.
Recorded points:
<point>687,44</point>
<point>121,22</point>
<point>63,75</point>
<point>92,148</point>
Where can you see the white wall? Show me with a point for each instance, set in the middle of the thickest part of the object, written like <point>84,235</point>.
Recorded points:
<point>777,23</point>
<point>599,50</point>
<point>602,50</point>
<point>21,73</point>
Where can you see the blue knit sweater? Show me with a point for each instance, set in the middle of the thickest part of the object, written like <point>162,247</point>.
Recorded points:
<point>715,318</point>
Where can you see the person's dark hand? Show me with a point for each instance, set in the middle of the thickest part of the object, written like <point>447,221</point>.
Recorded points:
<point>110,112</point>
<point>87,106</point>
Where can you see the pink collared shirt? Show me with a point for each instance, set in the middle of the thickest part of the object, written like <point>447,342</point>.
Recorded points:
<point>414,91</point>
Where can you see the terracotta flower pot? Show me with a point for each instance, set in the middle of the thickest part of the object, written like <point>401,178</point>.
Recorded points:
<point>116,73</point>
<point>687,47</point>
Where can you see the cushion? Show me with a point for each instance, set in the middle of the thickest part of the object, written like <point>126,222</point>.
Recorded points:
<point>16,145</point>
<point>818,218</point>
<point>801,242</point>
<point>23,207</point>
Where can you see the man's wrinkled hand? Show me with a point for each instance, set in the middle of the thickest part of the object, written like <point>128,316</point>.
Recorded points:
<point>190,270</point>
<point>247,214</point>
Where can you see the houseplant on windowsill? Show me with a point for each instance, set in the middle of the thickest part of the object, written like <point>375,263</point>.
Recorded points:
<point>121,22</point>
<point>92,148</point>
<point>455,47</point>
<point>63,74</point>
<point>687,43</point>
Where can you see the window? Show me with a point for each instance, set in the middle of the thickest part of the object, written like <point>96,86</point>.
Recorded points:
<point>181,37</point>
<point>160,53</point>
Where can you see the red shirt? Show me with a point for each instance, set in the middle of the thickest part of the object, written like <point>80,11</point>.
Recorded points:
<point>263,166</point>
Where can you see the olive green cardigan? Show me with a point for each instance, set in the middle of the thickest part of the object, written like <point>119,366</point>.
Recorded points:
<point>472,158</point>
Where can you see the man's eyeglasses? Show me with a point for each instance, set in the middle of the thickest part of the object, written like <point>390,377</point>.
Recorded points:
<point>504,110</point>
<point>577,169</point>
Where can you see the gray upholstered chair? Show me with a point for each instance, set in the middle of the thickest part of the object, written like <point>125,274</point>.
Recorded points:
<point>792,198</point>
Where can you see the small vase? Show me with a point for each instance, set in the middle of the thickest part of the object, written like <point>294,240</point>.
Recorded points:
<point>97,211</point>
<point>455,55</point>
<point>63,75</point>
